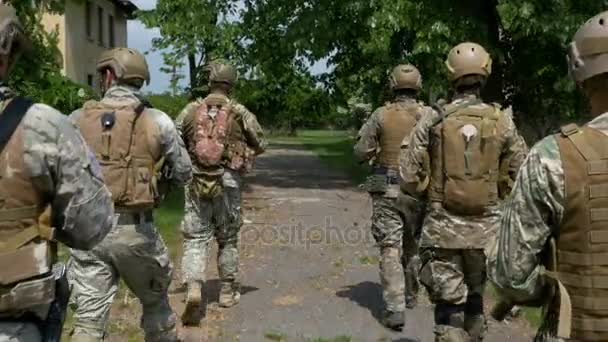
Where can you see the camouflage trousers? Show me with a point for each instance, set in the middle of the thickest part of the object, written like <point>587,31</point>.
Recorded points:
<point>19,332</point>
<point>137,254</point>
<point>208,218</point>
<point>395,232</point>
<point>455,280</point>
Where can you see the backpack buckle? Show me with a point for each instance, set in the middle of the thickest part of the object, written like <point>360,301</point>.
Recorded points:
<point>569,130</point>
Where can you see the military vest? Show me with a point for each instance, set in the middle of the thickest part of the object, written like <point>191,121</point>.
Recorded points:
<point>236,155</point>
<point>398,120</point>
<point>127,144</point>
<point>465,157</point>
<point>582,242</point>
<point>26,255</point>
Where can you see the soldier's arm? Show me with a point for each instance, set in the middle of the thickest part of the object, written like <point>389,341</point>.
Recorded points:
<point>63,168</point>
<point>252,129</point>
<point>514,151</point>
<point>173,149</point>
<point>534,207</point>
<point>367,139</point>
<point>75,116</point>
<point>414,160</point>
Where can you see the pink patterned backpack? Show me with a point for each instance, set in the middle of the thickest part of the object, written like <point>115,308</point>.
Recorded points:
<point>212,127</point>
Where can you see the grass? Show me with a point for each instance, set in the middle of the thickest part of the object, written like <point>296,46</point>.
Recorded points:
<point>334,148</point>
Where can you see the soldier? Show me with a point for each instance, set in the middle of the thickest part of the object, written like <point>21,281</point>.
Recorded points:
<point>222,137</point>
<point>467,154</point>
<point>393,228</point>
<point>130,140</point>
<point>558,209</point>
<point>44,164</point>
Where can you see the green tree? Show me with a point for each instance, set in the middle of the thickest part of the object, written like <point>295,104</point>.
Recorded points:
<point>39,76</point>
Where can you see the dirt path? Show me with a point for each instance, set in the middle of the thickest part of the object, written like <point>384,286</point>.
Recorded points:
<point>309,266</point>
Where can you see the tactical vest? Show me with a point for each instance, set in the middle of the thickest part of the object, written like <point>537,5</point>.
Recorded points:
<point>398,120</point>
<point>237,155</point>
<point>582,242</point>
<point>465,157</point>
<point>126,142</point>
<point>26,256</point>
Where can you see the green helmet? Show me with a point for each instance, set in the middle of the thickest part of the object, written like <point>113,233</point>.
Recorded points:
<point>588,53</point>
<point>405,76</point>
<point>127,64</point>
<point>222,72</point>
<point>12,37</point>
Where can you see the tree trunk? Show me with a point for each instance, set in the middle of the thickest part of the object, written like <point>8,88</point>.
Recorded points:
<point>193,70</point>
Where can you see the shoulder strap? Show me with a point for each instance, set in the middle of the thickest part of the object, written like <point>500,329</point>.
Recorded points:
<point>11,118</point>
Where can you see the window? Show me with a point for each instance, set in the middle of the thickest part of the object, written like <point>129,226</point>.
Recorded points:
<point>90,80</point>
<point>100,25</point>
<point>111,37</point>
<point>88,19</point>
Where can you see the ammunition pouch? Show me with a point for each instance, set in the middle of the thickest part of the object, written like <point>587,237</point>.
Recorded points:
<point>381,180</point>
<point>208,186</point>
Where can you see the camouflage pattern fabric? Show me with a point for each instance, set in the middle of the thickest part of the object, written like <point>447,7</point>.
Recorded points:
<point>208,218</point>
<point>62,167</point>
<point>394,226</point>
<point>441,228</point>
<point>395,235</point>
<point>532,214</point>
<point>137,255</point>
<point>452,275</point>
<point>19,332</point>
<point>134,252</point>
<point>251,127</point>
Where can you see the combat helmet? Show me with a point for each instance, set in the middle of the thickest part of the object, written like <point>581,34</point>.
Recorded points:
<point>588,53</point>
<point>405,76</point>
<point>468,59</point>
<point>12,36</point>
<point>221,71</point>
<point>127,64</point>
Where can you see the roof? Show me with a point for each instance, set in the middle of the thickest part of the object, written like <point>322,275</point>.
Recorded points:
<point>127,7</point>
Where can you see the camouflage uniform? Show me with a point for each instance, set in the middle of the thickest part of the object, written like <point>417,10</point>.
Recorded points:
<point>391,225</point>
<point>133,251</point>
<point>63,168</point>
<point>452,246</point>
<point>219,217</point>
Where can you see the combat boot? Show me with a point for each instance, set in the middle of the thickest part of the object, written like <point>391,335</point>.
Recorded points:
<point>393,320</point>
<point>194,298</point>
<point>229,294</point>
<point>445,333</point>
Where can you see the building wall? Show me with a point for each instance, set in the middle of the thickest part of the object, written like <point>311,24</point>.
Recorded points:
<point>81,50</point>
<point>56,23</point>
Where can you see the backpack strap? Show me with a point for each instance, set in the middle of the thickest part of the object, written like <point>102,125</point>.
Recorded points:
<point>11,117</point>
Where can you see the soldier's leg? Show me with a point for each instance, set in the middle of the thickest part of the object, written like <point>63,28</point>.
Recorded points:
<point>94,283</point>
<point>197,231</point>
<point>387,229</point>
<point>19,332</point>
<point>145,267</point>
<point>413,219</point>
<point>475,278</point>
<point>442,275</point>
<point>229,222</point>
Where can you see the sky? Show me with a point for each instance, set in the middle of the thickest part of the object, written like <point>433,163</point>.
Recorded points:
<point>140,38</point>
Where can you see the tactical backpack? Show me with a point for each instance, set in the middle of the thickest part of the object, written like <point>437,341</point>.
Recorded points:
<point>398,120</point>
<point>126,142</point>
<point>213,118</point>
<point>466,157</point>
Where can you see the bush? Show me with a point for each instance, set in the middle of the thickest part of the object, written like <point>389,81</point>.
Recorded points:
<point>172,105</point>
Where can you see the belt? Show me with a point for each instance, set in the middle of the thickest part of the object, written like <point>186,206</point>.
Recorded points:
<point>129,218</point>
<point>392,176</point>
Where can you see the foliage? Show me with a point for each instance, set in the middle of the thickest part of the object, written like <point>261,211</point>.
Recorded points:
<point>172,105</point>
<point>39,75</point>
<point>193,30</point>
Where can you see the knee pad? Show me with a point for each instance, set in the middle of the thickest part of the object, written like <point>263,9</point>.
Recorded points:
<point>474,305</point>
<point>449,314</point>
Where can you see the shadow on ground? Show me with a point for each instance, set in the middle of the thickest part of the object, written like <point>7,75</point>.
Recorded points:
<point>367,295</point>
